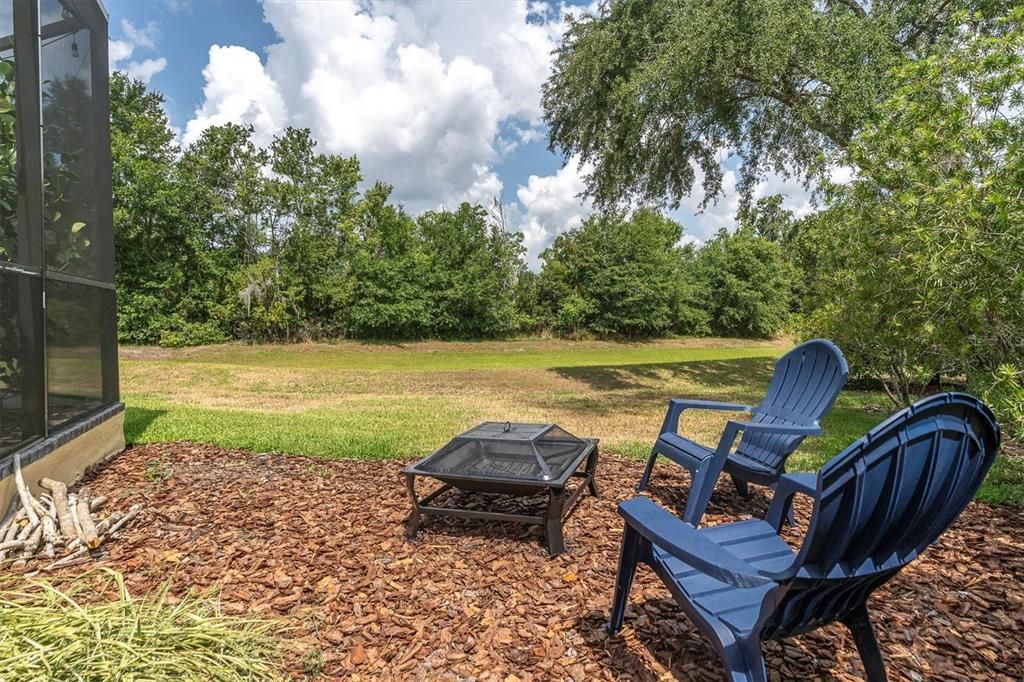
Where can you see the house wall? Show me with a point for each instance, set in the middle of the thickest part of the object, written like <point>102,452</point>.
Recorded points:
<point>66,457</point>
<point>59,388</point>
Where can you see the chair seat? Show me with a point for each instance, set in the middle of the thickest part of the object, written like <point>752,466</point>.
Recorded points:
<point>750,469</point>
<point>690,454</point>
<point>756,542</point>
<point>682,450</point>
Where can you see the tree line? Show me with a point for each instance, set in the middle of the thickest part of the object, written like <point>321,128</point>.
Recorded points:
<point>226,239</point>
<point>915,267</point>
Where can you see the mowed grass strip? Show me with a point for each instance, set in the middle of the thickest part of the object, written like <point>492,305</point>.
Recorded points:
<point>373,401</point>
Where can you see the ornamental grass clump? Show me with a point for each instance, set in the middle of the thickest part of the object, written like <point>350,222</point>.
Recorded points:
<point>90,628</point>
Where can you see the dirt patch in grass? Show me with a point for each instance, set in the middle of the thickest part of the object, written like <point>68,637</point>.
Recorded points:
<point>319,545</point>
<point>529,344</point>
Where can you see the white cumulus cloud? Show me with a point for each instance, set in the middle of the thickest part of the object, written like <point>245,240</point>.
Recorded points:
<point>551,204</point>
<point>144,36</point>
<point>238,90</point>
<point>419,91</point>
<point>146,69</point>
<point>119,51</point>
<point>123,49</point>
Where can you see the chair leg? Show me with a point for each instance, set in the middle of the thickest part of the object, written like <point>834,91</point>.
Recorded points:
<point>741,486</point>
<point>867,646</point>
<point>646,478</point>
<point>745,661</point>
<point>629,557</point>
<point>702,486</point>
<point>788,515</point>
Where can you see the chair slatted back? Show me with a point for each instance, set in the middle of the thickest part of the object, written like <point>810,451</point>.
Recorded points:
<point>883,501</point>
<point>806,382</point>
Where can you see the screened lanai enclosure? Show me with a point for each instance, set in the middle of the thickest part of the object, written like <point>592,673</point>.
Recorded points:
<point>58,347</point>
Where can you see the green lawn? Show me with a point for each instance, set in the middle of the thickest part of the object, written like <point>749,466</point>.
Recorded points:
<point>359,400</point>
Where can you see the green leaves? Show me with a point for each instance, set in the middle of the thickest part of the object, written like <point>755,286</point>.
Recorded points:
<point>8,160</point>
<point>652,92</point>
<point>922,277</point>
<point>617,276</point>
<point>747,284</point>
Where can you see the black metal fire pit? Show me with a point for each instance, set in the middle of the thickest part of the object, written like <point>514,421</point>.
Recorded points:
<point>512,459</point>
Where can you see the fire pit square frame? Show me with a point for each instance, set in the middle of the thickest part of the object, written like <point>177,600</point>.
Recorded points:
<point>561,498</point>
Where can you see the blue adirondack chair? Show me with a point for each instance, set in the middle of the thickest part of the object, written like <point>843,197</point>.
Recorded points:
<point>877,505</point>
<point>806,382</point>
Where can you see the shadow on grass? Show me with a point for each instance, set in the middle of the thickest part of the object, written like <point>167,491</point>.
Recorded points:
<point>137,420</point>
<point>708,373</point>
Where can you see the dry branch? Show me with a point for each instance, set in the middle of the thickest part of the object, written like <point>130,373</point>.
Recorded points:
<point>101,530</point>
<point>132,513</point>
<point>51,538</point>
<point>12,511</point>
<point>60,503</point>
<point>69,559</point>
<point>8,533</point>
<point>23,493</point>
<point>80,552</point>
<point>89,535</point>
<point>31,545</point>
<point>27,530</point>
<point>12,531</point>
<point>73,504</point>
<point>13,544</point>
<point>58,521</point>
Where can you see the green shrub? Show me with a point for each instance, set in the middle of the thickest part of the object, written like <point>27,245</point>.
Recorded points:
<point>747,282</point>
<point>192,334</point>
<point>1003,391</point>
<point>615,275</point>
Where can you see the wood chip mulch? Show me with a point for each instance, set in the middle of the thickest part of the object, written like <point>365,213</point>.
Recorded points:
<point>320,545</point>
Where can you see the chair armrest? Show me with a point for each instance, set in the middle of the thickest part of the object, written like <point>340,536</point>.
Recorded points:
<point>786,487</point>
<point>787,429</point>
<point>733,428</point>
<point>676,407</point>
<point>683,541</point>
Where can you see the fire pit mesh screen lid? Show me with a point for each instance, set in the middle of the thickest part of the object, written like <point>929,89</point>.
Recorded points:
<point>539,452</point>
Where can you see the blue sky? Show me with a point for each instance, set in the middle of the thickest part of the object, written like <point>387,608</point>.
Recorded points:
<point>440,98</point>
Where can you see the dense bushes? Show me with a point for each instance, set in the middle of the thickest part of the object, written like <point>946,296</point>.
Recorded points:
<point>631,277</point>
<point>747,284</point>
<point>919,277</point>
<point>615,275</point>
<point>229,240</point>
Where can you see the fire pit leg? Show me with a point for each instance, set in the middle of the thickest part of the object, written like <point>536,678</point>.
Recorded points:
<point>556,500</point>
<point>592,473</point>
<point>413,523</point>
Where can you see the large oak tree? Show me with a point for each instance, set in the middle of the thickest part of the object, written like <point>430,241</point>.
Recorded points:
<point>655,93</point>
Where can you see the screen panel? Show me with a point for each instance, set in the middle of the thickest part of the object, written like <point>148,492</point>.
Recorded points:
<point>70,193</point>
<point>13,246</point>
<point>21,359</point>
<point>73,350</point>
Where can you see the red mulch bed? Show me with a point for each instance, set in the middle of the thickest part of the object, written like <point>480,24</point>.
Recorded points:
<point>320,545</point>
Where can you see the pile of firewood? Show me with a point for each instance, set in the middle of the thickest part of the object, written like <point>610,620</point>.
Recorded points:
<point>59,526</point>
